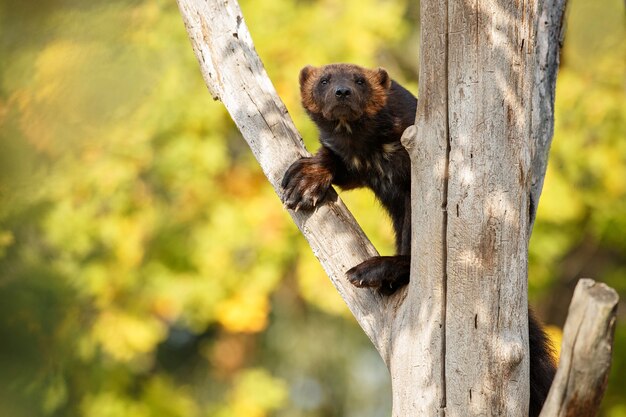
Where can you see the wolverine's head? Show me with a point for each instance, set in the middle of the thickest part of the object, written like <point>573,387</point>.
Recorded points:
<point>343,92</point>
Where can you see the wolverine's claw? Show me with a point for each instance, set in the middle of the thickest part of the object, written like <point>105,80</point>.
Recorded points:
<point>305,184</point>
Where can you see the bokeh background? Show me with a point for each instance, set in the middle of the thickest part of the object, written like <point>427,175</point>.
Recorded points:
<point>148,269</point>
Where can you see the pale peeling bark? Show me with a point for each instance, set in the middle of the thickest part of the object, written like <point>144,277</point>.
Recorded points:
<point>235,75</point>
<point>583,370</point>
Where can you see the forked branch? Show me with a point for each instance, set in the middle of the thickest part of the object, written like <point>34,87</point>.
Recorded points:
<point>428,378</point>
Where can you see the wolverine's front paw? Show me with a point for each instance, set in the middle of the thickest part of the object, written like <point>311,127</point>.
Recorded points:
<point>305,183</point>
<point>386,273</point>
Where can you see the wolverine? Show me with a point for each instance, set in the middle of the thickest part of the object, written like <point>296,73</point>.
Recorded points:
<point>361,114</point>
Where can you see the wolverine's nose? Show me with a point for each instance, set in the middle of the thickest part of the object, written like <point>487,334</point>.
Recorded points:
<point>342,92</point>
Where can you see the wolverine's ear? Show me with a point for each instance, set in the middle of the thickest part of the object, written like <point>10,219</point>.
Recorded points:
<point>383,78</point>
<point>305,73</point>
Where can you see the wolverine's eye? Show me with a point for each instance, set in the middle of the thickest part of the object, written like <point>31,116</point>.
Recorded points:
<point>324,81</point>
<point>360,81</point>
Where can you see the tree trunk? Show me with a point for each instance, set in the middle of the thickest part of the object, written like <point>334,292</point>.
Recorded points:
<point>456,339</point>
<point>474,128</point>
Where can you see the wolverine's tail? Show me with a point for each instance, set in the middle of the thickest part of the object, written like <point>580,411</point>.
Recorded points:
<point>542,365</point>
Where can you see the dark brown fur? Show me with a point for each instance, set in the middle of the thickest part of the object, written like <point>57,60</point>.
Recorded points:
<point>361,115</point>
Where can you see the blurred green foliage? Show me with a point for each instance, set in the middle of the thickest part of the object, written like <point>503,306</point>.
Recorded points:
<point>146,267</point>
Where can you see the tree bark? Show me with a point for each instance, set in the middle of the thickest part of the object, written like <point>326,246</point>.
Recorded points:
<point>456,339</point>
<point>478,140</point>
<point>550,32</point>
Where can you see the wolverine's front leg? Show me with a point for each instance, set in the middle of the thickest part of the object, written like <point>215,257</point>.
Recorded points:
<point>307,180</point>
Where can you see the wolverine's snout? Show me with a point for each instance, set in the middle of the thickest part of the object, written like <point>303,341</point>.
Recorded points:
<point>342,92</point>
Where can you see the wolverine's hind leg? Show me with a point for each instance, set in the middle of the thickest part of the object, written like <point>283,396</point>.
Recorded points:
<point>386,273</point>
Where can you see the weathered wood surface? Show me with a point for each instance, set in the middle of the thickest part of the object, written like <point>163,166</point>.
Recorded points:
<point>550,31</point>
<point>489,77</point>
<point>585,362</point>
<point>235,75</point>
<point>484,67</point>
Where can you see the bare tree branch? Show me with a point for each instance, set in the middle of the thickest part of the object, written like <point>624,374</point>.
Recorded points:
<point>550,31</point>
<point>583,371</point>
<point>235,75</point>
